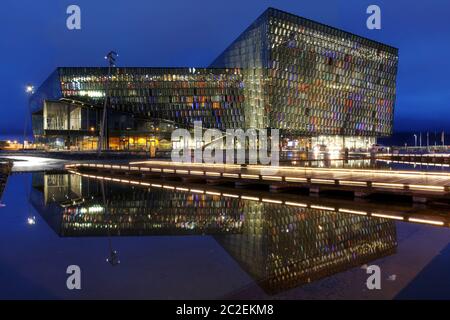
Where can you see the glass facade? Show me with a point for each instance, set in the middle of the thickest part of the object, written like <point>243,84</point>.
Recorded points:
<point>313,79</point>
<point>181,95</point>
<point>144,102</point>
<point>283,72</point>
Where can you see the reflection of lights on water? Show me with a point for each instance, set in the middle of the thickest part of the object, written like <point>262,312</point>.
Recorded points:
<point>113,258</point>
<point>191,225</point>
<point>31,220</point>
<point>427,221</point>
<point>30,161</point>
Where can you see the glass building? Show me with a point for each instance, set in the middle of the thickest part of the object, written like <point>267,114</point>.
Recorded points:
<point>312,80</point>
<point>145,105</point>
<point>319,85</point>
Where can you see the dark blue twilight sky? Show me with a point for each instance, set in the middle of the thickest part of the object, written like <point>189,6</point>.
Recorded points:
<point>35,40</point>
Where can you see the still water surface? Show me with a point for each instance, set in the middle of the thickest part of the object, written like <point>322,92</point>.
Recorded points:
<point>175,245</point>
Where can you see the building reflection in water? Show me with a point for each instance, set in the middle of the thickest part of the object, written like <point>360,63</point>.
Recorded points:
<point>280,247</point>
<point>5,171</point>
<point>73,206</point>
<point>283,247</point>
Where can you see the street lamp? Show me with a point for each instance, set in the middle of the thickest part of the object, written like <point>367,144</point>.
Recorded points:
<point>29,89</point>
<point>415,140</point>
<point>31,220</point>
<point>111,57</point>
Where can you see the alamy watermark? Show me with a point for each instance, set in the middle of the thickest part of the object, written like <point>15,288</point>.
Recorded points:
<point>73,21</point>
<point>374,20</point>
<point>374,280</point>
<point>234,146</point>
<point>74,279</point>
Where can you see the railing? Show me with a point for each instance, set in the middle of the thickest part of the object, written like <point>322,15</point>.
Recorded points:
<point>419,149</point>
<point>287,200</point>
<point>407,181</point>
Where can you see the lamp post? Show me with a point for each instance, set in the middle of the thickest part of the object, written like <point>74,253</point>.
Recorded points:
<point>415,140</point>
<point>111,57</point>
<point>29,89</point>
